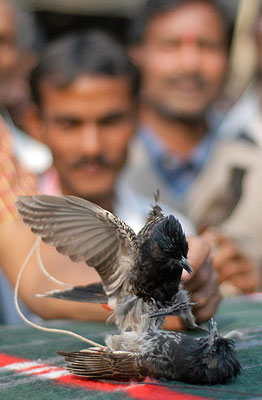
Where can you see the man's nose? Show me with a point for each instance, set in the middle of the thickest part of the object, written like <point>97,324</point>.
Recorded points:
<point>90,139</point>
<point>190,58</point>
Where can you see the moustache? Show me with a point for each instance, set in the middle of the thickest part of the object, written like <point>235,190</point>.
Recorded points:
<point>196,79</point>
<point>99,160</point>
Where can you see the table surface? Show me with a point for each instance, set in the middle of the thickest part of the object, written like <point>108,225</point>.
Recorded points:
<point>30,369</point>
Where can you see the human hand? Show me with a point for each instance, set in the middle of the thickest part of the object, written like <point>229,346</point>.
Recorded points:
<point>232,265</point>
<point>202,284</point>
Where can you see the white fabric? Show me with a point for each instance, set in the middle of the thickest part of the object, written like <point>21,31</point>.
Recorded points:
<point>133,208</point>
<point>244,117</point>
<point>35,156</point>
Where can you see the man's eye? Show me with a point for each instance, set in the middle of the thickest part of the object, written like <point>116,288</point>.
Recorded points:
<point>68,124</point>
<point>169,45</point>
<point>203,44</point>
<point>112,120</point>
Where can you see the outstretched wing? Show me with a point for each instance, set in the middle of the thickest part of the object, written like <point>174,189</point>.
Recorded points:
<point>92,293</point>
<point>84,232</point>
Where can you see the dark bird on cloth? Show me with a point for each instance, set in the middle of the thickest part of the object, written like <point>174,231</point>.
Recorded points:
<point>159,354</point>
<point>140,273</point>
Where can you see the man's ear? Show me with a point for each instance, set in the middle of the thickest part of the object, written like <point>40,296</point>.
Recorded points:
<point>34,123</point>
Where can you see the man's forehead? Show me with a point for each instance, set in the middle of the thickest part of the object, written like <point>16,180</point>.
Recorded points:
<point>87,98</point>
<point>92,94</point>
<point>189,19</point>
<point>88,85</point>
<point>98,84</point>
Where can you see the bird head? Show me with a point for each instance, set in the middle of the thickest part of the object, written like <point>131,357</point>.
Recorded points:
<point>169,245</point>
<point>218,356</point>
<point>163,258</point>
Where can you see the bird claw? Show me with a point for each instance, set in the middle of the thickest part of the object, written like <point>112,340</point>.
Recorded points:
<point>213,331</point>
<point>172,310</point>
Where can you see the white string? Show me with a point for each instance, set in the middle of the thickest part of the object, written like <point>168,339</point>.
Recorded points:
<point>42,328</point>
<point>45,272</point>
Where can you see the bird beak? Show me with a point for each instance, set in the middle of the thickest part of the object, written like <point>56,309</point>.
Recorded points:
<point>185,264</point>
<point>213,332</point>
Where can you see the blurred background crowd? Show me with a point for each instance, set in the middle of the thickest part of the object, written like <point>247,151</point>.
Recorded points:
<point>111,100</point>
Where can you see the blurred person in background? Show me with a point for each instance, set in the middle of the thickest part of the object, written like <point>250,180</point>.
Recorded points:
<point>14,181</point>
<point>17,57</point>
<point>84,90</point>
<point>182,51</point>
<point>244,119</point>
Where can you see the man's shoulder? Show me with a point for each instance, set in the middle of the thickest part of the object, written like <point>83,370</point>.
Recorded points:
<point>227,189</point>
<point>240,116</point>
<point>238,150</point>
<point>228,159</point>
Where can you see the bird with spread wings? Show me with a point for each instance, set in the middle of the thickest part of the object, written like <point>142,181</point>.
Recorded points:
<point>140,280</point>
<point>140,273</point>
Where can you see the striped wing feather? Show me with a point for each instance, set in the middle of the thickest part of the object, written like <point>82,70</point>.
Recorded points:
<point>96,364</point>
<point>92,293</point>
<point>83,231</point>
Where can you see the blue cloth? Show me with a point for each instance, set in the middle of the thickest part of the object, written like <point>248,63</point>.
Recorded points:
<point>176,171</point>
<point>8,313</point>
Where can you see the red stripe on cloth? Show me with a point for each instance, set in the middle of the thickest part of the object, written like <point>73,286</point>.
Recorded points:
<point>149,392</point>
<point>136,391</point>
<point>93,385</point>
<point>143,391</point>
<point>5,359</point>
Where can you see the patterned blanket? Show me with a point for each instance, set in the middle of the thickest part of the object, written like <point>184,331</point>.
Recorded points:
<point>30,369</point>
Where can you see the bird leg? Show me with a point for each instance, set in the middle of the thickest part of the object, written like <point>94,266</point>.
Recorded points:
<point>174,309</point>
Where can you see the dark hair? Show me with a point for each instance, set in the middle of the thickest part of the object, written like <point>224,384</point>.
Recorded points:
<point>151,8</point>
<point>90,53</point>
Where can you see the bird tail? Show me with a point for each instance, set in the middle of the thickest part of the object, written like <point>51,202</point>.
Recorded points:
<point>97,364</point>
<point>93,293</point>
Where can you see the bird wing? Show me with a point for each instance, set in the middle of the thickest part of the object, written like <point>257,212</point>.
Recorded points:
<point>118,365</point>
<point>84,232</point>
<point>97,364</point>
<point>93,293</point>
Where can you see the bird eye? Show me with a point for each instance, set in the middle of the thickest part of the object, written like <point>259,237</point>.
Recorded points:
<point>213,351</point>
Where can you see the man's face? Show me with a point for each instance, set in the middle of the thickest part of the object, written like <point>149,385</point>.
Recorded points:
<point>14,63</point>
<point>87,126</point>
<point>8,49</point>
<point>183,59</point>
<point>9,54</point>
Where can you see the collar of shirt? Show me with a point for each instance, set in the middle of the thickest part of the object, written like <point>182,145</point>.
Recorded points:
<point>177,172</point>
<point>48,183</point>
